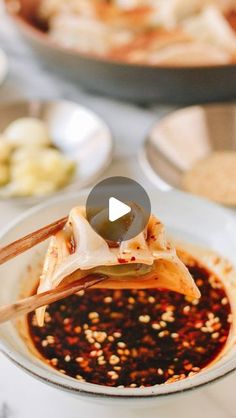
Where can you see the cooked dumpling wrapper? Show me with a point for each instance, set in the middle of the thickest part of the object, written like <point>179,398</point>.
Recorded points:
<point>146,261</point>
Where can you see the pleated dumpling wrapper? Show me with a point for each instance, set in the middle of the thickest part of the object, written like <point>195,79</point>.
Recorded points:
<point>146,261</point>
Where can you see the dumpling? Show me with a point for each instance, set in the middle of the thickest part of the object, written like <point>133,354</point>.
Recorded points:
<point>146,261</point>
<point>211,27</point>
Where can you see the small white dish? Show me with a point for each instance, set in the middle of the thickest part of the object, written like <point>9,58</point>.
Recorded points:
<point>190,219</point>
<point>3,66</point>
<point>75,130</point>
<point>183,137</point>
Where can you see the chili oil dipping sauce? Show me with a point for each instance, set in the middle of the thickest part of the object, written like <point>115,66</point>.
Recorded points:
<point>139,338</point>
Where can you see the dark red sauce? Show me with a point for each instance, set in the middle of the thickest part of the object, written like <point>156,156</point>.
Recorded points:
<point>135,338</point>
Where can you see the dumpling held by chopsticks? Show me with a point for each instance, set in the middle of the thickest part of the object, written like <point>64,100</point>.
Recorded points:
<point>146,261</point>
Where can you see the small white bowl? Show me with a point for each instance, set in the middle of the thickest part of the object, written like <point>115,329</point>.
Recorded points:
<point>183,137</point>
<point>75,130</point>
<point>191,219</point>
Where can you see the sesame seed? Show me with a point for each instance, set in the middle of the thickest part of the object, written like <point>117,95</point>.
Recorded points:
<point>79,359</point>
<point>80,378</point>
<point>111,338</point>
<point>167,316</point>
<point>186,309</point>
<point>100,336</point>
<point>50,339</point>
<point>156,326</point>
<point>144,318</point>
<point>160,371</point>
<point>121,344</point>
<point>91,340</point>
<point>174,335</point>
<point>80,293</point>
<point>224,301</point>
<point>215,335</point>
<point>131,300</point>
<point>93,315</point>
<point>97,345</point>
<point>114,360</point>
<point>117,334</point>
<point>67,358</point>
<point>44,343</point>
<point>108,299</point>
<point>195,302</point>
<point>151,299</point>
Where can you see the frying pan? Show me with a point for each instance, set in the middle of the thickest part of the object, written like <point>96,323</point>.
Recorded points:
<point>131,82</point>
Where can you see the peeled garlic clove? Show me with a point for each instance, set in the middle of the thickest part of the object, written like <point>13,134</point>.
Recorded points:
<point>27,132</point>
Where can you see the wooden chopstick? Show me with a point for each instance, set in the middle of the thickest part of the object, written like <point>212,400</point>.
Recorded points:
<point>25,243</point>
<point>29,304</point>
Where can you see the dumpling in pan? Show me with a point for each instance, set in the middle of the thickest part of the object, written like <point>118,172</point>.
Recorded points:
<point>146,261</point>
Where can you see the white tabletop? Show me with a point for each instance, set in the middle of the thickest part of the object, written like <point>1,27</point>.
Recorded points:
<point>20,395</point>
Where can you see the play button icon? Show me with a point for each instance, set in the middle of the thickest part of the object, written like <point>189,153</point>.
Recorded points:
<point>118,209</point>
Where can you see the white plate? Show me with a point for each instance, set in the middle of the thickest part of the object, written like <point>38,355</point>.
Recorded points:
<point>188,218</point>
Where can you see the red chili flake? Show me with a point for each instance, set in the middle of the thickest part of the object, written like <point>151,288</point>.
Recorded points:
<point>122,261</point>
<point>146,359</point>
<point>133,258</point>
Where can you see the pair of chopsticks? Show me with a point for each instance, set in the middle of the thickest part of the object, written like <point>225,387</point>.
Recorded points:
<point>26,305</point>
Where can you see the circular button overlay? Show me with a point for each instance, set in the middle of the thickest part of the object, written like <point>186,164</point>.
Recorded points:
<point>118,209</point>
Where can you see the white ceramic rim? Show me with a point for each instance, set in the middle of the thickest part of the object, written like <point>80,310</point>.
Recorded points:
<point>3,66</point>
<point>99,391</point>
<point>150,172</point>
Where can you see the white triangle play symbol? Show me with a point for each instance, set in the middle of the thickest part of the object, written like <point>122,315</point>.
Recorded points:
<point>117,209</point>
